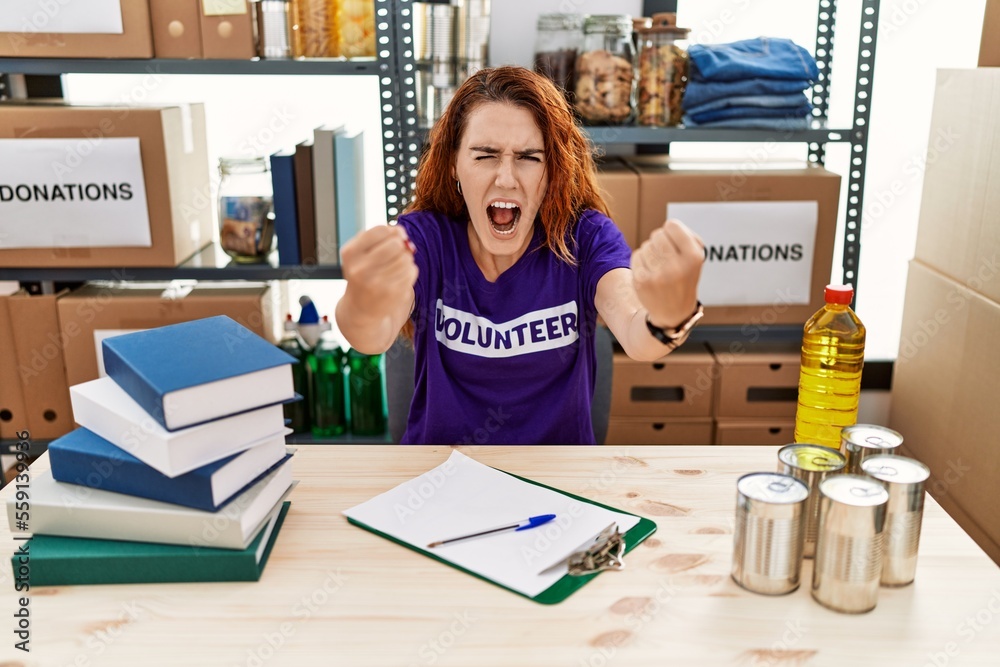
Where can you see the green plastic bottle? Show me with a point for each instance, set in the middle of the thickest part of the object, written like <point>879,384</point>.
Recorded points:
<point>367,402</point>
<point>329,411</point>
<point>833,354</point>
<point>297,411</point>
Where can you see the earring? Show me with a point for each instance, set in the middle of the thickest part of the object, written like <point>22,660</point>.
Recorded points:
<point>458,184</point>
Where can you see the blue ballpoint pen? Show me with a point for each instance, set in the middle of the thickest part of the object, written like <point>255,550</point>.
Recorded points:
<point>520,525</point>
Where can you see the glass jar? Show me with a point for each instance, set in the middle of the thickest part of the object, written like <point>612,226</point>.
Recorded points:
<point>313,29</point>
<point>557,46</point>
<point>365,393</point>
<point>604,70</point>
<point>355,28</point>
<point>246,220</point>
<point>663,68</point>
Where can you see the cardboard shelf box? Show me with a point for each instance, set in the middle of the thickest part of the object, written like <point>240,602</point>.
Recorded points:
<point>620,188</point>
<point>96,311</point>
<point>176,28</point>
<point>679,385</point>
<point>175,174</point>
<point>754,431</point>
<point>652,431</point>
<point>755,381</point>
<point>989,47</point>
<point>769,232</point>
<point>30,30</point>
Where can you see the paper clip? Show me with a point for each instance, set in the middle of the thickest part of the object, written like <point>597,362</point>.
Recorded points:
<point>604,554</point>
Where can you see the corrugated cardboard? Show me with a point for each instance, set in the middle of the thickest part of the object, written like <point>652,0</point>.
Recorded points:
<point>679,385</point>
<point>36,368</point>
<point>144,306</point>
<point>620,187</point>
<point>136,41</point>
<point>661,181</point>
<point>944,397</point>
<point>176,28</point>
<point>227,36</point>
<point>761,380</point>
<point>754,431</point>
<point>13,416</point>
<point>958,232</point>
<point>989,47</point>
<point>639,431</point>
<point>175,169</point>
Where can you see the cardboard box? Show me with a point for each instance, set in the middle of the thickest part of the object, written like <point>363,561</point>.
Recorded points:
<point>646,431</point>
<point>227,30</point>
<point>958,232</point>
<point>778,210</point>
<point>989,47</point>
<point>174,158</point>
<point>754,431</point>
<point>620,187</point>
<point>176,28</point>
<point>96,311</point>
<point>944,397</point>
<point>34,396</point>
<point>135,40</point>
<point>679,385</point>
<point>760,380</point>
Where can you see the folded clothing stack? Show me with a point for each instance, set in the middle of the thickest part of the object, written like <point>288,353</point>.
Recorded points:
<point>752,83</point>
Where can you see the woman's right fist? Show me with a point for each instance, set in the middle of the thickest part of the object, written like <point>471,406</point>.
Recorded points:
<point>378,265</point>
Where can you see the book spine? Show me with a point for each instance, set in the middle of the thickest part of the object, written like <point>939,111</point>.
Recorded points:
<point>286,225</point>
<point>350,186</point>
<point>134,384</point>
<point>133,438</point>
<point>324,193</point>
<point>306,208</point>
<point>198,566</point>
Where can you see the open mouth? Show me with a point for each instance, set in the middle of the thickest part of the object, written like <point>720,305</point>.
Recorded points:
<point>503,217</point>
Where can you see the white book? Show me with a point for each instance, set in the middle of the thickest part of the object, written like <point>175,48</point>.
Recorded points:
<point>72,510</point>
<point>324,194</point>
<point>107,410</point>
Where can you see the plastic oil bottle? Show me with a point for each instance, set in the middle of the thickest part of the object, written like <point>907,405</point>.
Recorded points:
<point>329,408</point>
<point>833,353</point>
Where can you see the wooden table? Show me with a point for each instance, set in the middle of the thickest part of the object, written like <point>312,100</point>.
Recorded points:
<point>333,594</point>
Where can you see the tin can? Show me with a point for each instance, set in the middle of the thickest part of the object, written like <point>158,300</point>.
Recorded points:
<point>810,464</point>
<point>860,441</point>
<point>904,479</point>
<point>770,525</point>
<point>850,544</point>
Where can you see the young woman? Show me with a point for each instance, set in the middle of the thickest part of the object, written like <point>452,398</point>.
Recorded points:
<point>500,267</point>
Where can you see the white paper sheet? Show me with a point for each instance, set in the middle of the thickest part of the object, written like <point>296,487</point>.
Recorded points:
<point>62,16</point>
<point>463,496</point>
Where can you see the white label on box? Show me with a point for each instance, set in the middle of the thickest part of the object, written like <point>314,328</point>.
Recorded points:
<point>62,16</point>
<point>224,7</point>
<point>758,253</point>
<point>72,193</point>
<point>99,336</point>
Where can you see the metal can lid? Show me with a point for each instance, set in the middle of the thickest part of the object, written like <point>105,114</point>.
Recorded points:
<point>812,458</point>
<point>854,490</point>
<point>771,487</point>
<point>870,436</point>
<point>895,469</point>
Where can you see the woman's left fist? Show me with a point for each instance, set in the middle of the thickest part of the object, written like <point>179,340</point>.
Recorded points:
<point>665,270</point>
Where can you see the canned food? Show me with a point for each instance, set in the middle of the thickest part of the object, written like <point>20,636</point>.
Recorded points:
<point>850,544</point>
<point>904,480</point>
<point>860,441</point>
<point>810,464</point>
<point>770,524</point>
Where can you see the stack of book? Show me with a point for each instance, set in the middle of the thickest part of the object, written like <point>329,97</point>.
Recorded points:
<point>179,469</point>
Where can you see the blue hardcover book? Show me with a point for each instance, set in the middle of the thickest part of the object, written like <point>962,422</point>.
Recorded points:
<point>85,458</point>
<point>286,219</point>
<point>195,372</point>
<point>350,181</point>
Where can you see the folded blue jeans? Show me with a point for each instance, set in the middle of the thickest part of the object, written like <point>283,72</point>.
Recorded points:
<point>766,57</point>
<point>697,93</point>
<point>752,112</point>
<point>754,123</point>
<point>793,100</point>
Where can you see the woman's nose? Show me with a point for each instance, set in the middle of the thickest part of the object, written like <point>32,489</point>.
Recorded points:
<point>505,173</point>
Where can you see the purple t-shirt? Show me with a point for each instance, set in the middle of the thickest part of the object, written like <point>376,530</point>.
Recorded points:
<point>510,362</point>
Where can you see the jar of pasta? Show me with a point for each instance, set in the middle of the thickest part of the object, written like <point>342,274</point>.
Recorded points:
<point>663,68</point>
<point>355,28</point>
<point>604,70</point>
<point>557,46</point>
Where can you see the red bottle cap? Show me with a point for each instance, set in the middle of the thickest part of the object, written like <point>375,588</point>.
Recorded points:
<point>839,294</point>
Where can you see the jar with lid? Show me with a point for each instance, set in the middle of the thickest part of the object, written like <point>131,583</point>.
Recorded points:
<point>604,70</point>
<point>557,46</point>
<point>246,220</point>
<point>663,67</point>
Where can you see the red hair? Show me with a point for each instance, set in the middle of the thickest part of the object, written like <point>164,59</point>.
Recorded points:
<point>569,155</point>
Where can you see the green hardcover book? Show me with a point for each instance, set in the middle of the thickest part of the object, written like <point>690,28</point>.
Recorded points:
<point>68,561</point>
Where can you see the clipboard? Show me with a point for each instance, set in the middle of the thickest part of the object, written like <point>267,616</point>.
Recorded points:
<point>566,585</point>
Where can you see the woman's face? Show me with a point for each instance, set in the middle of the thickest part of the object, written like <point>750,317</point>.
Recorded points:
<point>502,168</point>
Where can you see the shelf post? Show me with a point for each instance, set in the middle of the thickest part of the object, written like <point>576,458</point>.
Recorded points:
<point>826,26</point>
<point>411,138</point>
<point>387,45</point>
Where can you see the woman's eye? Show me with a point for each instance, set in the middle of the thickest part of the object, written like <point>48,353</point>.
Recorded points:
<point>531,158</point>
<point>485,157</point>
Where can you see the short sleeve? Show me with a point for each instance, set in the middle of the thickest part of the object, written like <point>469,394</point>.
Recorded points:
<point>420,228</point>
<point>602,247</point>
